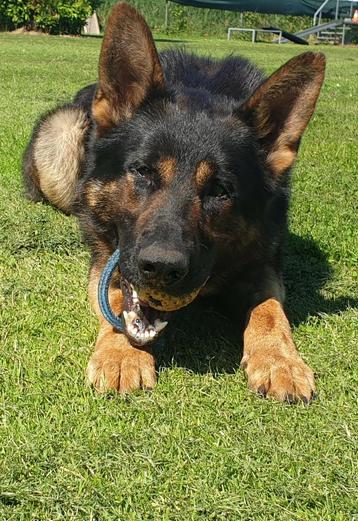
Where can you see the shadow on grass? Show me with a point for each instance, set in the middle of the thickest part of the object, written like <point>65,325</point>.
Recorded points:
<point>170,40</point>
<point>306,271</point>
<point>202,340</point>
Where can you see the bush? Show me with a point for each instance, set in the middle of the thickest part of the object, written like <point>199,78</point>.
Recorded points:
<point>52,16</point>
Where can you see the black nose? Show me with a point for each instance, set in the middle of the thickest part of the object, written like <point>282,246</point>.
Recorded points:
<point>164,266</point>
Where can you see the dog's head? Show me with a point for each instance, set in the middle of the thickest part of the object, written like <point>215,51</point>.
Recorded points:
<point>178,176</point>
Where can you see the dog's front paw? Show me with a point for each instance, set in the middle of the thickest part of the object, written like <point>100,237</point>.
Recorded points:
<point>121,369</point>
<point>278,376</point>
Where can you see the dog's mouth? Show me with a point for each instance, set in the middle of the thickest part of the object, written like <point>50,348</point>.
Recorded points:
<point>146,312</point>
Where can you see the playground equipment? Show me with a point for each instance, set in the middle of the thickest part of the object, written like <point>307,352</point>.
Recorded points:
<point>341,13</point>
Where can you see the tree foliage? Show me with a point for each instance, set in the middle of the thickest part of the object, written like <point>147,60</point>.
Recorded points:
<point>52,16</point>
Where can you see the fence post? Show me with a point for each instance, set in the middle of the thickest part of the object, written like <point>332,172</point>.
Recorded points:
<point>166,22</point>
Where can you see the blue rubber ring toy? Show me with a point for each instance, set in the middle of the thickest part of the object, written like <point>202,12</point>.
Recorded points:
<point>103,287</point>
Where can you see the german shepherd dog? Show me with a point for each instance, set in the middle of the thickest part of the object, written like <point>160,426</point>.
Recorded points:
<point>182,162</point>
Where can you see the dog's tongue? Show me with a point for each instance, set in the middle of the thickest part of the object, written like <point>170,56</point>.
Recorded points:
<point>143,323</point>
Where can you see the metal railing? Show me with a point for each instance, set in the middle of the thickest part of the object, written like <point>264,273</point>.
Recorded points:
<point>318,13</point>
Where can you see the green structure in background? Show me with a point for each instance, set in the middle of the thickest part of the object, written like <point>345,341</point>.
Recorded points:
<point>324,30</point>
<point>286,7</point>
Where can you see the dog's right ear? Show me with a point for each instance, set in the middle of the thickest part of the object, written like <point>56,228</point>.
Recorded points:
<point>281,108</point>
<point>129,68</point>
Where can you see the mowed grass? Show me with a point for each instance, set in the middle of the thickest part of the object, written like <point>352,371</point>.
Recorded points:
<point>201,446</point>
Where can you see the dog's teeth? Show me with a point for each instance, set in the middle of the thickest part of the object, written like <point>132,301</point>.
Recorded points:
<point>159,325</point>
<point>132,315</point>
<point>125,315</point>
<point>132,329</point>
<point>152,333</point>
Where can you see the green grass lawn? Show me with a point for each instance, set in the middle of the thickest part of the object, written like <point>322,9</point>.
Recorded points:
<point>201,446</point>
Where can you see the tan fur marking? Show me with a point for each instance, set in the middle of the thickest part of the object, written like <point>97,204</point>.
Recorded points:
<point>111,187</point>
<point>195,212</point>
<point>59,154</point>
<point>128,195</point>
<point>115,363</point>
<point>203,173</point>
<point>272,364</point>
<point>280,160</point>
<point>93,191</point>
<point>103,113</point>
<point>112,197</point>
<point>167,168</point>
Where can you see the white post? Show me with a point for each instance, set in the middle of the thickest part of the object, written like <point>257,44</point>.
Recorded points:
<point>337,10</point>
<point>166,23</point>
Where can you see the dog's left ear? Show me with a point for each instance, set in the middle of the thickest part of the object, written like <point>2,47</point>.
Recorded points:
<point>129,68</point>
<point>281,107</point>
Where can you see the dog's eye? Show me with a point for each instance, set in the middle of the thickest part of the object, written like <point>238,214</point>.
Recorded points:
<point>142,171</point>
<point>219,191</point>
<point>145,177</point>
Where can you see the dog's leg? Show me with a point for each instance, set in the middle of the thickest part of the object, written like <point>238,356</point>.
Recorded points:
<point>271,362</point>
<point>115,363</point>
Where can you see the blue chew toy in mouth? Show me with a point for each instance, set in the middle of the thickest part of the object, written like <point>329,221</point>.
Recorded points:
<point>139,322</point>
<point>145,312</point>
<point>103,287</point>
